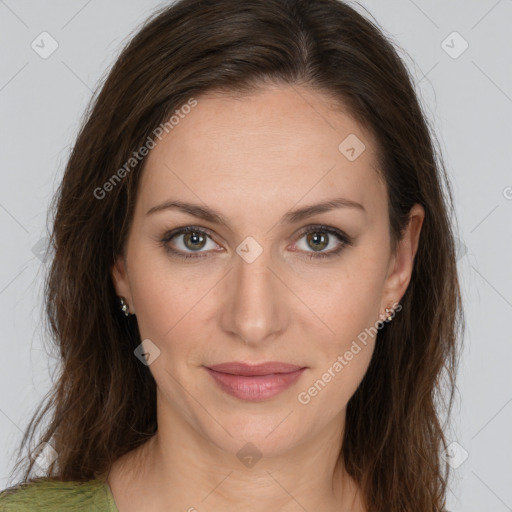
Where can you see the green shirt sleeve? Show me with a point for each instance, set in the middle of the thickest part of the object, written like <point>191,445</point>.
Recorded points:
<point>58,496</point>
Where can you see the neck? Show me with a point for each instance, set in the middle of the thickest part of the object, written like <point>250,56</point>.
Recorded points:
<point>180,468</point>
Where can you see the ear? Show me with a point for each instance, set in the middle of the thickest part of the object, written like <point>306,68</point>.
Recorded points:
<point>121,281</point>
<point>401,264</point>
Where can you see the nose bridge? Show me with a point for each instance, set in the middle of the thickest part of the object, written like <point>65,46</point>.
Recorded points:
<point>255,305</point>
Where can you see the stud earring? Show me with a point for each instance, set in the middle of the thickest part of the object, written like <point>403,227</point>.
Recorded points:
<point>390,312</point>
<point>124,306</point>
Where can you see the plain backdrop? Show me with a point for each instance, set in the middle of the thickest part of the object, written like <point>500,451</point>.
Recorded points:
<point>460,55</point>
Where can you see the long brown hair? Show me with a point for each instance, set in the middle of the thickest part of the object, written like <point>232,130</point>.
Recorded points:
<point>104,401</point>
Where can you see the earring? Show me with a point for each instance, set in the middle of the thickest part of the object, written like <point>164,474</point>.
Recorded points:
<point>388,315</point>
<point>124,306</point>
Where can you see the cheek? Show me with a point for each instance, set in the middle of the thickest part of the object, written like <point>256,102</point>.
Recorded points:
<point>343,357</point>
<point>329,389</point>
<point>166,302</point>
<point>175,306</point>
<point>351,300</point>
<point>350,308</point>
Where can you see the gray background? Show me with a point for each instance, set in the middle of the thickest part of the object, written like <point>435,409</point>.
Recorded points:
<point>468,100</point>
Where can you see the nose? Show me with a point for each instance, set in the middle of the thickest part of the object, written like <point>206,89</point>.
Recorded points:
<point>255,306</point>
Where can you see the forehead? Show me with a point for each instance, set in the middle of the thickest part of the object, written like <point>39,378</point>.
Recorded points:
<point>266,149</point>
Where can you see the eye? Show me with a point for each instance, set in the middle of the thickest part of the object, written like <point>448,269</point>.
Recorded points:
<point>320,237</point>
<point>190,239</point>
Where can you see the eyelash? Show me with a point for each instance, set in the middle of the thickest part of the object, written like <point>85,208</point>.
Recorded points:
<point>345,240</point>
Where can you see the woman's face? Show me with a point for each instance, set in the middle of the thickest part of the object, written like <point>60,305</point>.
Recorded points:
<point>249,284</point>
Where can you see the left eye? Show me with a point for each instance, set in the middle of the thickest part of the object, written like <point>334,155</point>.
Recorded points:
<point>316,237</point>
<point>320,239</point>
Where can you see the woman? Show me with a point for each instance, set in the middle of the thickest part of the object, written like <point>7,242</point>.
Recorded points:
<point>254,288</point>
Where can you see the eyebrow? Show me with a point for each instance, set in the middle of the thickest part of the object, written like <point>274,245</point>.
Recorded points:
<point>213,216</point>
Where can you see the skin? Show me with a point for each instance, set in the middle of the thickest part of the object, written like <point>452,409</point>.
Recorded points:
<point>254,158</point>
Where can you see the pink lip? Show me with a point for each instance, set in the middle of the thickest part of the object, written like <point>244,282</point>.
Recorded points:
<point>255,382</point>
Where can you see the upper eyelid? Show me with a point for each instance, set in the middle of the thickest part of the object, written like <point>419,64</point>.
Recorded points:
<point>181,231</point>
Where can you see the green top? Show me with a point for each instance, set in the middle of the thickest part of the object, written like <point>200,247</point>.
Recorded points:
<point>58,496</point>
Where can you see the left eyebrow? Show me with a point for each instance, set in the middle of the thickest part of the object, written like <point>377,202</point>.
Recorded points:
<point>215,217</point>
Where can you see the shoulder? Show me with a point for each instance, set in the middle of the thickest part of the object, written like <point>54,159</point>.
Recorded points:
<point>56,495</point>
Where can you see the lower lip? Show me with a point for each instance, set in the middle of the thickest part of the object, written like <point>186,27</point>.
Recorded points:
<point>255,388</point>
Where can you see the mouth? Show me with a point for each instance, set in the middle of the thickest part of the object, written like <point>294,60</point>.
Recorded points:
<point>254,383</point>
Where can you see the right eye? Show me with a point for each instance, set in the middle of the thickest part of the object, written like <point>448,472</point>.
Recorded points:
<point>192,241</point>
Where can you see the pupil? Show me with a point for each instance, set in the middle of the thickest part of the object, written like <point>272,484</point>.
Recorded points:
<point>320,241</point>
<point>194,237</point>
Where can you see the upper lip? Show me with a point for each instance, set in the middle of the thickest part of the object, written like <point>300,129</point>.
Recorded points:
<point>244,369</point>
